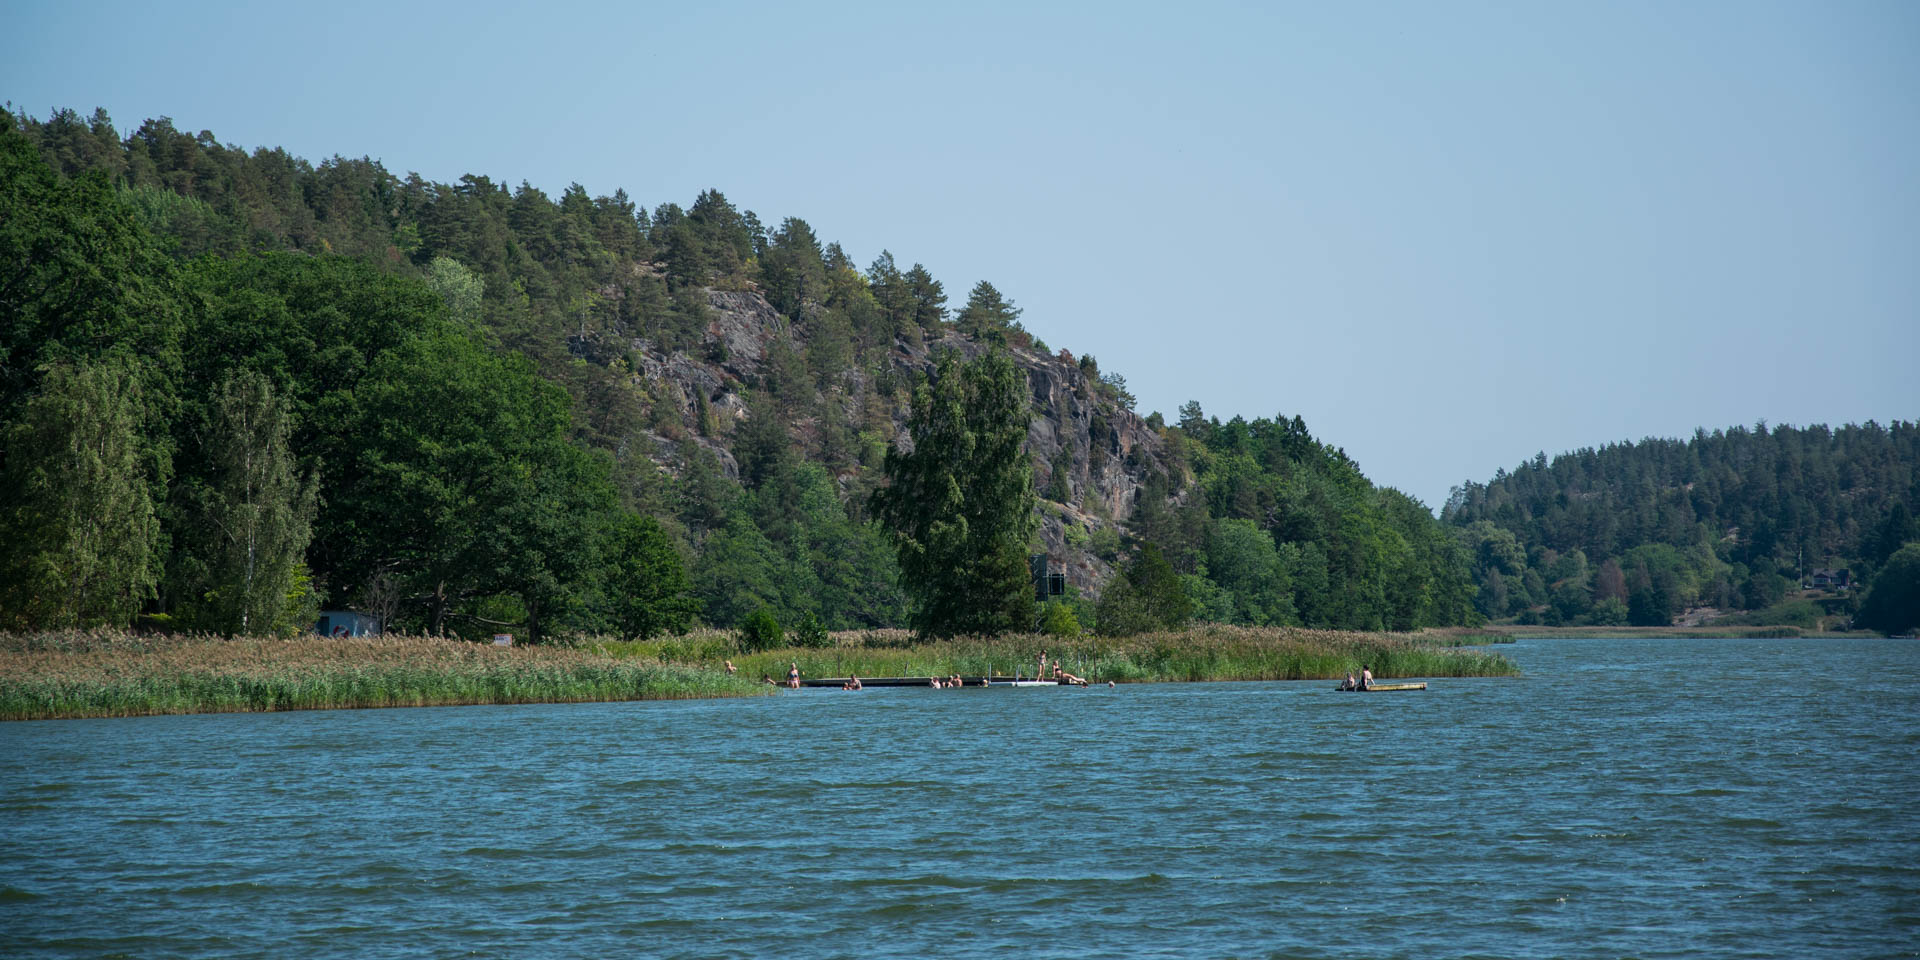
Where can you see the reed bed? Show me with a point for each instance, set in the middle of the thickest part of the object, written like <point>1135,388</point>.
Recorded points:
<point>118,674</point>
<point>1202,653</point>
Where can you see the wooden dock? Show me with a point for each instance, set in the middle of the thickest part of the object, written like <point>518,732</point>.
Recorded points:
<point>1386,687</point>
<point>836,683</point>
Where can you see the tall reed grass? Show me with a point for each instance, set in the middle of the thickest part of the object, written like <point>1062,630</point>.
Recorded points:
<point>117,674</point>
<point>1202,653</point>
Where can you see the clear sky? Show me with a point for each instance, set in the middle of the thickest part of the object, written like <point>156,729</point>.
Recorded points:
<point>1449,235</point>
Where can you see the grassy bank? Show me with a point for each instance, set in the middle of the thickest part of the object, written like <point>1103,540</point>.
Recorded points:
<point>1203,653</point>
<point>118,674</point>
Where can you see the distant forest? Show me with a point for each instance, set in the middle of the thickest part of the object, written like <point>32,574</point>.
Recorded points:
<point>1736,519</point>
<point>237,385</point>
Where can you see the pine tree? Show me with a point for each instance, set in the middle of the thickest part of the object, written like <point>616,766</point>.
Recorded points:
<point>960,502</point>
<point>988,315</point>
<point>929,299</point>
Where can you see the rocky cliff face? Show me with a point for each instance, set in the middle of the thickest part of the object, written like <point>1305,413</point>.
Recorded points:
<point>1110,451</point>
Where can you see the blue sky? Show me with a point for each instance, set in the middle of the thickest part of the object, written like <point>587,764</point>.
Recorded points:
<point>1448,235</point>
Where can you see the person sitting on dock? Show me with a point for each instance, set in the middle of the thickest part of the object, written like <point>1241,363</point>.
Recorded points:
<point>793,675</point>
<point>1349,683</point>
<point>1366,678</point>
<point>1065,677</point>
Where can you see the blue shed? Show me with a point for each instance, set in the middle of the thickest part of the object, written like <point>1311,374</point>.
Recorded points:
<point>346,623</point>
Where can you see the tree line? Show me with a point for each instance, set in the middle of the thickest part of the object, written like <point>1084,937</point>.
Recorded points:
<point>1736,519</point>
<point>278,382</point>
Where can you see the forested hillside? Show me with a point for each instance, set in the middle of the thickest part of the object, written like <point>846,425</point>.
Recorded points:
<point>1736,520</point>
<point>463,406</point>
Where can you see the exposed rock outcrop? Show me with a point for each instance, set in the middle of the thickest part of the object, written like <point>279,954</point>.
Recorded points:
<point>1110,450</point>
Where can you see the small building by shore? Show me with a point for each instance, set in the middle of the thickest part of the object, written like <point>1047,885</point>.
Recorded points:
<point>346,623</point>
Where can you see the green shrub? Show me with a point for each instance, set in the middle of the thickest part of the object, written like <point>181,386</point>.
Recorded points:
<point>760,631</point>
<point>1059,621</point>
<point>811,633</point>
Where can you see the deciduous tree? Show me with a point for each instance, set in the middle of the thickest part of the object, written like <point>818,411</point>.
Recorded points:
<point>960,503</point>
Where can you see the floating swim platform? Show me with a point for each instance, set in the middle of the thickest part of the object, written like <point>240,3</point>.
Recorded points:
<point>838,682</point>
<point>1386,688</point>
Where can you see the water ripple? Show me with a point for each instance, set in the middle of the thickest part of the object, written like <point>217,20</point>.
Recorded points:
<point>1569,812</point>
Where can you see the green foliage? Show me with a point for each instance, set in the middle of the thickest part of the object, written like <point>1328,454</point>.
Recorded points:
<point>462,291</point>
<point>255,515</point>
<point>1148,596</point>
<point>104,674</point>
<point>646,584</point>
<point>791,273</point>
<point>1611,612</point>
<point>988,316</point>
<point>960,503</point>
<point>1057,620</point>
<point>82,281</point>
<point>464,483</point>
<point>1059,476</point>
<point>1255,576</point>
<point>1893,603</point>
<point>1728,518</point>
<point>81,538</point>
<point>760,630</point>
<point>810,632</point>
<point>1286,530</point>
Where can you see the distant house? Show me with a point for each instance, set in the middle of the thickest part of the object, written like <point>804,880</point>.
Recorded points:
<point>346,623</point>
<point>1833,579</point>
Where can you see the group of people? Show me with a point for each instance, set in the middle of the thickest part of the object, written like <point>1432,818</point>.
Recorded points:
<point>793,676</point>
<point>1060,675</point>
<point>1364,683</point>
<point>950,681</point>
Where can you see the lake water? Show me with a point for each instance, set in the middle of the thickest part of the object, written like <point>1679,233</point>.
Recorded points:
<point>1623,798</point>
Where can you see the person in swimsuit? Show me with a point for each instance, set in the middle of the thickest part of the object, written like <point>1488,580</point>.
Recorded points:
<point>1366,678</point>
<point>1349,683</point>
<point>730,668</point>
<point>793,675</point>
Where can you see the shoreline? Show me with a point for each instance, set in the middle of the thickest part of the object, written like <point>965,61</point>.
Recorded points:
<point>101,674</point>
<point>1512,632</point>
